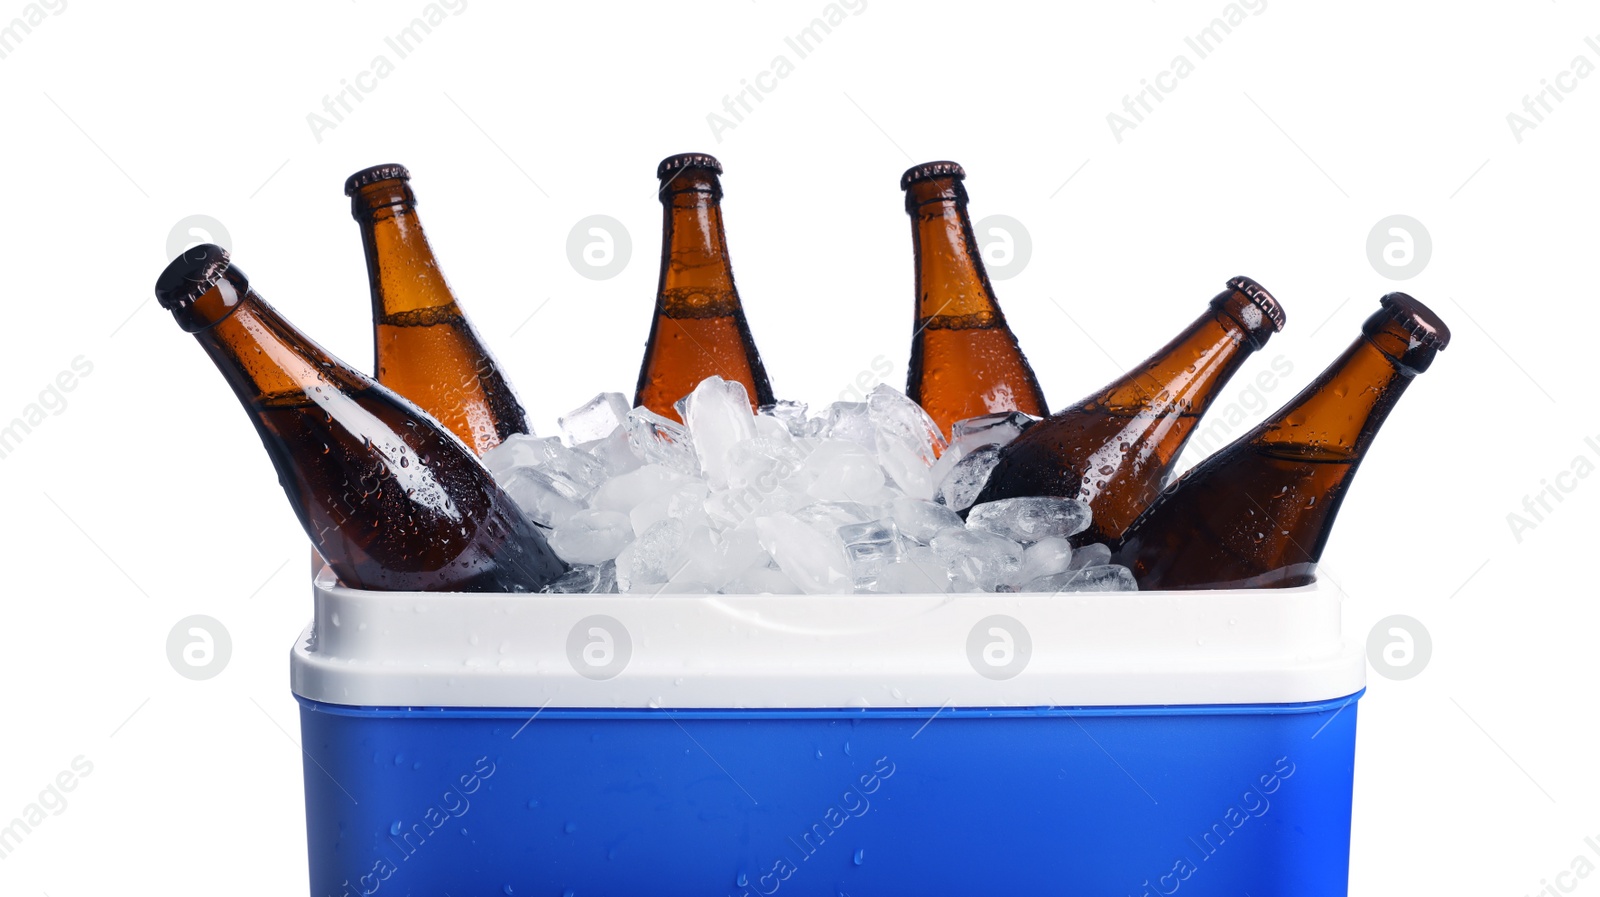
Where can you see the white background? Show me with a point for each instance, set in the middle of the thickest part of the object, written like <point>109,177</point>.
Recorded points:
<point>147,498</point>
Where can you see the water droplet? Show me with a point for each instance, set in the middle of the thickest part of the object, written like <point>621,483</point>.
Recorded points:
<point>861,855</point>
<point>394,827</point>
<point>507,889</point>
<point>571,827</point>
<point>399,759</point>
<point>334,619</point>
<point>533,804</point>
<point>847,749</point>
<point>742,880</point>
<point>1107,470</point>
<point>819,753</point>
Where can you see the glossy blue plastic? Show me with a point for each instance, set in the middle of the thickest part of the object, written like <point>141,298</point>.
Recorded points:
<point>1213,800</point>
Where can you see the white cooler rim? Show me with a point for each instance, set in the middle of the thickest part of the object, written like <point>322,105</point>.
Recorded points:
<point>483,650</point>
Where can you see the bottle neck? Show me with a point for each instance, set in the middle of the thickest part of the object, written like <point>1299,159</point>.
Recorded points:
<point>951,281</point>
<point>1336,417</point>
<point>1183,376</point>
<point>696,276</point>
<point>400,264</point>
<point>268,361</point>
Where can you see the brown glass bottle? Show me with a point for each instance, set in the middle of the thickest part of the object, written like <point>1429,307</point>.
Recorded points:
<point>1258,512</point>
<point>699,328</point>
<point>426,348</point>
<point>965,361</point>
<point>390,498</point>
<point>1116,449</point>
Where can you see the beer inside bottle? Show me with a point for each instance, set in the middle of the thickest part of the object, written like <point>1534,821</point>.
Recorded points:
<point>391,499</point>
<point>965,361</point>
<point>425,348</point>
<point>1116,448</point>
<point>699,328</point>
<point>1258,513</point>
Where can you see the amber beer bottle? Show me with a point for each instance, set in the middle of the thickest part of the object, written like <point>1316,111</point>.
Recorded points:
<point>699,328</point>
<point>965,361</point>
<point>1258,512</point>
<point>1116,448</point>
<point>391,499</point>
<point>426,349</point>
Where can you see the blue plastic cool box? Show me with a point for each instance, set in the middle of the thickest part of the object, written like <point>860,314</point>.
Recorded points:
<point>1156,743</point>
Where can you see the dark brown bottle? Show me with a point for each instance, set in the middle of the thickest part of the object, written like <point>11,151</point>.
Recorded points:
<point>426,349</point>
<point>1116,449</point>
<point>390,498</point>
<point>965,361</point>
<point>1258,512</point>
<point>699,328</point>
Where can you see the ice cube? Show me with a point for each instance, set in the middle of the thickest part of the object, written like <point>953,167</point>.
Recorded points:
<point>907,440</point>
<point>538,496</point>
<point>760,579</point>
<point>739,507</point>
<point>628,491</point>
<point>577,471</point>
<point>686,503</point>
<point>658,440</point>
<point>1091,555</point>
<point>586,579</point>
<point>990,429</point>
<point>922,520</point>
<point>919,571</point>
<point>1046,557</point>
<point>718,416</point>
<point>791,414</point>
<point>591,537</point>
<point>614,452</point>
<point>899,418</point>
<point>1030,519</point>
<point>647,563</point>
<point>1097,578</point>
<point>828,516</point>
<point>711,560</point>
<point>850,421</point>
<point>842,471</point>
<point>812,560</point>
<point>869,547</point>
<point>763,463</point>
<point>961,487</point>
<point>594,419</point>
<point>977,561</point>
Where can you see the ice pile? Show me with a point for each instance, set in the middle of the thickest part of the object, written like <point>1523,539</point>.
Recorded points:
<point>862,497</point>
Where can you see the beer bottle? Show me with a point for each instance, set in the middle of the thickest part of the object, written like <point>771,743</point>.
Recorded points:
<point>699,328</point>
<point>965,361</point>
<point>1116,448</point>
<point>390,498</point>
<point>1258,512</point>
<point>426,349</point>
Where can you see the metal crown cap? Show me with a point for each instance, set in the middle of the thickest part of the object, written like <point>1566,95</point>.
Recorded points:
<point>1262,299</point>
<point>368,176</point>
<point>672,164</point>
<point>929,170</point>
<point>1426,327</point>
<point>191,274</point>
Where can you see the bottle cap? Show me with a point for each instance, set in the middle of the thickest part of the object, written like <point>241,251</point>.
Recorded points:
<point>368,176</point>
<point>672,164</point>
<point>930,170</point>
<point>1427,328</point>
<point>1258,295</point>
<point>196,270</point>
